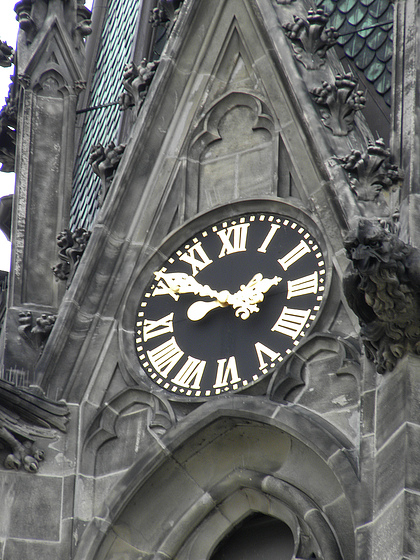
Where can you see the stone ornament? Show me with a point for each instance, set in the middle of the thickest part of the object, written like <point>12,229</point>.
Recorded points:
<point>371,171</point>
<point>104,162</point>
<point>72,246</point>
<point>382,286</point>
<point>165,14</point>
<point>136,82</point>
<point>341,100</point>
<point>6,55</point>
<point>25,417</point>
<point>311,39</point>
<point>36,334</point>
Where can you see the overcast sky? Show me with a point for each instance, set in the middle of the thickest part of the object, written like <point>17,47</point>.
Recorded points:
<point>8,33</point>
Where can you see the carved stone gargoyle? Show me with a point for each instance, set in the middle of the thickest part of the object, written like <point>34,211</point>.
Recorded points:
<point>382,286</point>
<point>104,162</point>
<point>165,14</point>
<point>6,55</point>
<point>136,82</point>
<point>25,417</point>
<point>72,246</point>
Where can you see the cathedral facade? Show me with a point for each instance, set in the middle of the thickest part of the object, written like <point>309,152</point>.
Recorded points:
<point>210,333</point>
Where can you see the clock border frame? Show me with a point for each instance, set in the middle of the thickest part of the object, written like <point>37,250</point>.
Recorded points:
<point>146,265</point>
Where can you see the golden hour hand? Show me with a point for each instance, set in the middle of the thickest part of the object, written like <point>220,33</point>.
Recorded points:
<point>244,301</point>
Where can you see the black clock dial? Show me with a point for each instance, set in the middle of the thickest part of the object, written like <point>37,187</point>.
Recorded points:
<point>230,304</point>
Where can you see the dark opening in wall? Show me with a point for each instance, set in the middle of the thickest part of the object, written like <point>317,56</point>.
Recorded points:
<point>258,537</point>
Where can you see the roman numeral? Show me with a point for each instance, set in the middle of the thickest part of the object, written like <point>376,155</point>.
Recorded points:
<point>191,255</point>
<point>268,238</point>
<point>302,286</point>
<point>159,327</point>
<point>191,371</point>
<point>262,349</point>
<point>163,290</point>
<point>291,321</point>
<point>223,372</point>
<point>233,239</point>
<point>294,255</point>
<point>164,357</point>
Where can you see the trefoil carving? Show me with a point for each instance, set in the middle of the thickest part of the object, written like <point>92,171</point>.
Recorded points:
<point>104,162</point>
<point>311,39</point>
<point>341,100</point>
<point>72,246</point>
<point>382,286</point>
<point>6,55</point>
<point>136,82</point>
<point>25,417</point>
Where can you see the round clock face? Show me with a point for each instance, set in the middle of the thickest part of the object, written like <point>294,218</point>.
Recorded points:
<point>229,305</point>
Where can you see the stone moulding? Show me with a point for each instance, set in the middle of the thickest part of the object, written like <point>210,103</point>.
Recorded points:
<point>25,417</point>
<point>103,428</point>
<point>382,286</point>
<point>341,101</point>
<point>310,38</point>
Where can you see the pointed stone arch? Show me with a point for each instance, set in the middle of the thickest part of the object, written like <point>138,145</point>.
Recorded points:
<point>185,495</point>
<point>233,152</point>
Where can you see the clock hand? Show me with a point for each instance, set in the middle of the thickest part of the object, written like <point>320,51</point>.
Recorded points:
<point>244,300</point>
<point>180,283</point>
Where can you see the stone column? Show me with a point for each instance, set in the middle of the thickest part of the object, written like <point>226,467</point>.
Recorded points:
<point>50,74</point>
<point>396,521</point>
<point>405,131</point>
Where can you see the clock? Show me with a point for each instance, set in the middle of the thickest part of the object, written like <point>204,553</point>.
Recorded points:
<point>230,304</point>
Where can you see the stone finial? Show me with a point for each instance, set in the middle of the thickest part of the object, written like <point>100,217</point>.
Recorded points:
<point>24,417</point>
<point>6,55</point>
<point>104,162</point>
<point>382,286</point>
<point>311,38</point>
<point>136,82</point>
<point>342,100</point>
<point>72,246</point>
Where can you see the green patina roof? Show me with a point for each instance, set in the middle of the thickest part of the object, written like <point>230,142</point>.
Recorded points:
<point>365,33</point>
<point>102,125</point>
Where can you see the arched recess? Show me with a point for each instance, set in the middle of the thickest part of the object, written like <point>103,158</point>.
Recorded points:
<point>228,459</point>
<point>233,153</point>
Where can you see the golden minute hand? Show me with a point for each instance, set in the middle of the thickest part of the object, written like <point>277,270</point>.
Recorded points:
<point>180,283</point>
